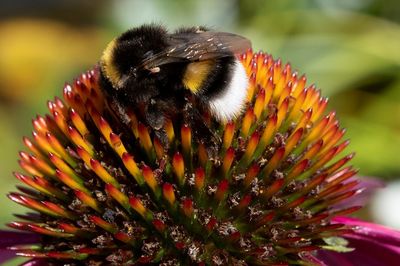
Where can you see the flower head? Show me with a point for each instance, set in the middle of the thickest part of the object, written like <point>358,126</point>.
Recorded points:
<point>106,193</point>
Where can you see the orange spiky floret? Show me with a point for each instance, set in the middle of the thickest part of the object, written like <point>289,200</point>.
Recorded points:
<point>115,193</point>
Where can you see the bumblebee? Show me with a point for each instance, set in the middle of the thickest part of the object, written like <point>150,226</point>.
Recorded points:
<point>159,71</point>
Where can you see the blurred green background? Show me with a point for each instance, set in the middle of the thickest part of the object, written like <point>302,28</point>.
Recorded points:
<point>348,48</point>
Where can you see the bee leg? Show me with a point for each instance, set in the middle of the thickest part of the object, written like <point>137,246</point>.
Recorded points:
<point>163,137</point>
<point>154,115</point>
<point>201,132</point>
<point>119,111</point>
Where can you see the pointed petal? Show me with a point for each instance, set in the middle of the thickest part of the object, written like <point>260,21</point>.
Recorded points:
<point>10,238</point>
<point>36,262</point>
<point>373,244</point>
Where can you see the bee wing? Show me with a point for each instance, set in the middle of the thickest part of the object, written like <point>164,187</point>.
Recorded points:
<point>198,46</point>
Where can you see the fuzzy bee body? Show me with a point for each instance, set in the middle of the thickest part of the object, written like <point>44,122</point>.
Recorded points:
<point>149,67</point>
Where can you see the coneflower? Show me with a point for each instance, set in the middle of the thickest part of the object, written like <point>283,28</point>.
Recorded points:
<point>104,193</point>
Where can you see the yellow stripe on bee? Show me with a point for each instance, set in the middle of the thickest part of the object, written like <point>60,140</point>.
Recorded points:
<point>195,74</point>
<point>108,65</point>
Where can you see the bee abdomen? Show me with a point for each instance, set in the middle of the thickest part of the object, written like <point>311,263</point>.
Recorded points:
<point>227,96</point>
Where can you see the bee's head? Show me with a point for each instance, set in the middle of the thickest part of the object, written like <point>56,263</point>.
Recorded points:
<point>122,57</point>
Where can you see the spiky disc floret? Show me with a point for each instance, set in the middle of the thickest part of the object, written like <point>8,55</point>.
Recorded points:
<point>110,194</point>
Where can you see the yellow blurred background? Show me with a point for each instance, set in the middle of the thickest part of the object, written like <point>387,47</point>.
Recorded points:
<point>348,48</point>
